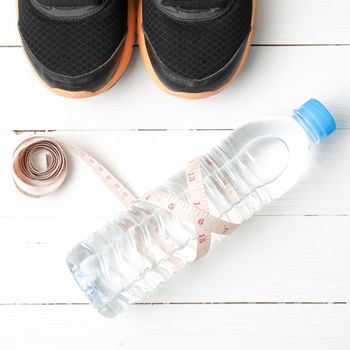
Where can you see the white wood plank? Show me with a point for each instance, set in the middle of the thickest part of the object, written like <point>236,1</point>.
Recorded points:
<point>246,327</point>
<point>279,256</point>
<point>278,22</point>
<point>268,259</point>
<point>281,22</point>
<point>314,264</point>
<point>136,156</point>
<point>276,81</point>
<point>36,234</point>
<point>8,23</point>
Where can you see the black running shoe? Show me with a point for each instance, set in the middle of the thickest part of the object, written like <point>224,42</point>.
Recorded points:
<point>195,48</point>
<point>78,48</point>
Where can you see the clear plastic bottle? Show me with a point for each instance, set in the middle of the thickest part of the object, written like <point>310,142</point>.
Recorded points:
<point>130,256</point>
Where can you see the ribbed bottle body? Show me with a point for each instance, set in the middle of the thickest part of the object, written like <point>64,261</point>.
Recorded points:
<point>130,256</point>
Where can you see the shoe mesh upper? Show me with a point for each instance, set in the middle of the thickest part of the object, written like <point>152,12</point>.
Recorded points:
<point>196,49</point>
<point>73,46</point>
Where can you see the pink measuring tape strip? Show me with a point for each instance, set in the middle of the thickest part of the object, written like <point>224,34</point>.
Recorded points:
<point>36,183</point>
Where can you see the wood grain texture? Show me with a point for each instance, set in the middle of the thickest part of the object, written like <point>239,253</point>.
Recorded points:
<point>247,327</point>
<point>268,259</point>
<point>284,254</point>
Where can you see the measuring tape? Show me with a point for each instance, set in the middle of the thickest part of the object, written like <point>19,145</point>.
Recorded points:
<point>36,182</point>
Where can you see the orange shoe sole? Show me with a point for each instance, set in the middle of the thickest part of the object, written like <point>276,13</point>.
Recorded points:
<point>189,95</point>
<point>123,62</point>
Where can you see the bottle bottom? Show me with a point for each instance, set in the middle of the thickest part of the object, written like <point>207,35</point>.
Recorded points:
<point>108,296</point>
<point>89,284</point>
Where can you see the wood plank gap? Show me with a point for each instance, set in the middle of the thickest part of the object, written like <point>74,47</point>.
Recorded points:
<point>19,132</point>
<point>193,303</point>
<point>256,215</point>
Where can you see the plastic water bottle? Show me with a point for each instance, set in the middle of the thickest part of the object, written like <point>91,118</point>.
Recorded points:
<point>130,256</point>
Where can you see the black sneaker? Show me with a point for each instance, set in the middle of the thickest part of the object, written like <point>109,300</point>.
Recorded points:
<point>195,48</point>
<point>79,48</point>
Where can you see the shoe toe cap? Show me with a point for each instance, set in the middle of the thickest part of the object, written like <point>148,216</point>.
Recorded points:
<point>196,55</point>
<point>74,54</point>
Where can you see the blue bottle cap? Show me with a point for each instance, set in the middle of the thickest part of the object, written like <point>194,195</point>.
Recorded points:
<point>316,119</point>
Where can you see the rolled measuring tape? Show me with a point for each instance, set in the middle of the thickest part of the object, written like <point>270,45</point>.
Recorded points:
<point>35,180</point>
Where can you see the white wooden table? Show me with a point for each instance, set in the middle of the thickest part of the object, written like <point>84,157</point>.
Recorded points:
<point>282,281</point>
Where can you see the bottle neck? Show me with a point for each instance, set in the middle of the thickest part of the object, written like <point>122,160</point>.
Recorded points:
<point>308,128</point>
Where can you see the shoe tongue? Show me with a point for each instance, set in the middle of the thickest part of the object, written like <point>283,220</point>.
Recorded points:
<point>70,3</point>
<point>194,5</point>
